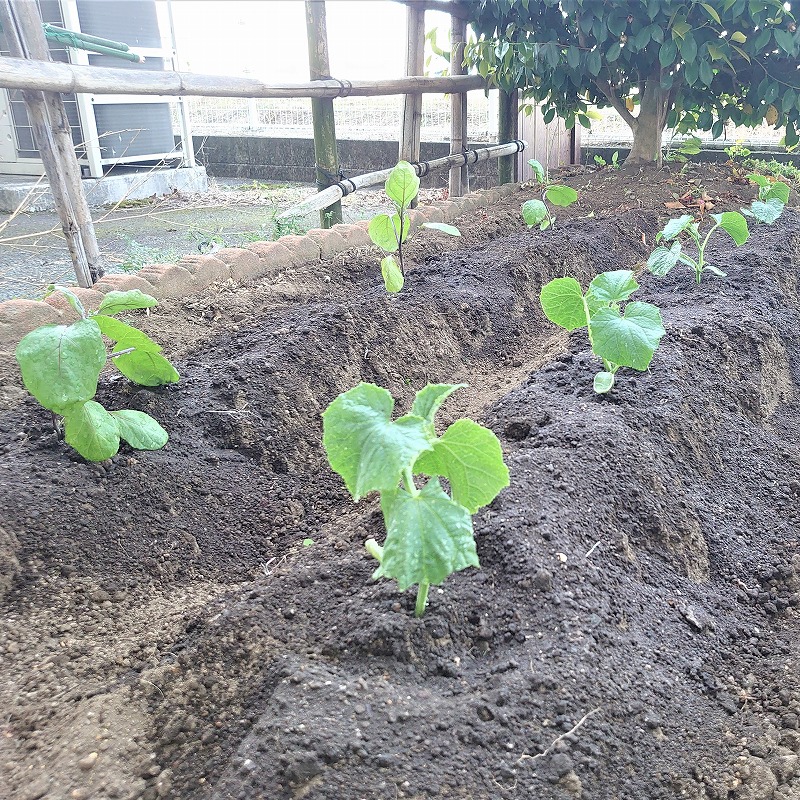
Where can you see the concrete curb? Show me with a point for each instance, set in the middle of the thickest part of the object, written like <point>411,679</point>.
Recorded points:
<point>194,274</point>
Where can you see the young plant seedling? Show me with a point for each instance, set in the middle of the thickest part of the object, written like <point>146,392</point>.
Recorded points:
<point>663,258</point>
<point>390,231</point>
<point>536,212</point>
<point>773,195</point>
<point>428,532</point>
<point>61,364</point>
<point>621,338</point>
<point>602,163</point>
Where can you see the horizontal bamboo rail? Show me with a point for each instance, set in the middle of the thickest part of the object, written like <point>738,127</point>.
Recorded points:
<point>18,73</point>
<point>349,185</point>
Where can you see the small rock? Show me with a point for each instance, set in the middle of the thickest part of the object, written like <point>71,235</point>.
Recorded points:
<point>88,762</point>
<point>39,788</point>
<point>543,580</point>
<point>760,784</point>
<point>571,783</point>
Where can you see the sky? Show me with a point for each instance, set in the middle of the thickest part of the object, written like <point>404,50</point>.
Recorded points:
<point>267,38</point>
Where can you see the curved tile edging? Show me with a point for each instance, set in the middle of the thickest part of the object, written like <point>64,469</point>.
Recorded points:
<point>195,273</point>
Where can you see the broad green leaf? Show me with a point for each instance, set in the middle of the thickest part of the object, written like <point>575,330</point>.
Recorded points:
<point>92,431</point>
<point>712,12</point>
<point>402,184</point>
<point>778,191</point>
<point>561,195</point>
<point>784,40</point>
<point>573,57</point>
<point>384,230</point>
<point>126,335</point>
<point>364,446</point>
<point>533,212</point>
<point>562,303</point>
<point>443,227</point>
<point>471,458</point>
<point>145,368</point>
<point>680,29</point>
<point>734,224</point>
<point>140,430</point>
<point>428,537</point>
<point>60,364</point>
<point>603,382</point>
<point>714,271</point>
<point>766,211</point>
<point>738,36</point>
<point>538,170</point>
<point>392,274</point>
<point>629,339</point>
<point>688,48</point>
<point>612,287</point>
<point>761,180</point>
<point>667,53</point>
<point>114,302</point>
<point>429,399</point>
<point>662,260</point>
<point>676,226</point>
<point>691,147</point>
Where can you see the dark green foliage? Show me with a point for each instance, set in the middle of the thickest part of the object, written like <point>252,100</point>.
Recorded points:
<point>687,65</point>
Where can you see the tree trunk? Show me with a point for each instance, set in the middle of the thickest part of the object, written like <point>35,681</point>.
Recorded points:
<point>649,125</point>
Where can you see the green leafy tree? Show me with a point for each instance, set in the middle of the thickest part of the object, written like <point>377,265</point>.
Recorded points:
<point>681,64</point>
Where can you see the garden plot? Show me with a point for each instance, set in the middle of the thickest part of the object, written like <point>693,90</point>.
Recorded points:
<point>199,621</point>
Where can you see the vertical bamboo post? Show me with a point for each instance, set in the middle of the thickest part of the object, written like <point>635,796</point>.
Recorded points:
<point>508,130</point>
<point>415,65</point>
<point>459,180</point>
<point>322,109</point>
<point>22,25</point>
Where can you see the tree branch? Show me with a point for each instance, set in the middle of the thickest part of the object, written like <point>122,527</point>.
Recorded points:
<point>619,105</point>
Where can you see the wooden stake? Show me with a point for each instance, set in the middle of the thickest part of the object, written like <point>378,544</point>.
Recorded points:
<point>458,180</point>
<point>322,109</point>
<point>508,128</point>
<point>22,25</point>
<point>415,65</point>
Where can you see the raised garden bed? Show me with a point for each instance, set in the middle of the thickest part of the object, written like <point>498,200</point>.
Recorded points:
<point>633,633</point>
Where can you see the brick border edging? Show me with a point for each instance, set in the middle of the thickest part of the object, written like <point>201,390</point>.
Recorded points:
<point>195,273</point>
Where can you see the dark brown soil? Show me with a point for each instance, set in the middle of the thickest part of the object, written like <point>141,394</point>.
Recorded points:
<point>633,631</point>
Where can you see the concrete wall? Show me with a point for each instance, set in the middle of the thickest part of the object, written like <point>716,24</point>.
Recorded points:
<point>283,159</point>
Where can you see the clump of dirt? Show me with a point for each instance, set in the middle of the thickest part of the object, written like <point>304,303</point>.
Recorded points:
<point>632,631</point>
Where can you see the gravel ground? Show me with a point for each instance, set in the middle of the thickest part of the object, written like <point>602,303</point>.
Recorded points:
<point>232,213</point>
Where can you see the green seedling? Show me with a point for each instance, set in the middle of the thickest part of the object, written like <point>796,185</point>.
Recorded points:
<point>536,212</point>
<point>61,364</point>
<point>428,531</point>
<point>663,258</point>
<point>390,231</point>
<point>602,163</point>
<point>621,338</point>
<point>689,147</point>
<point>773,195</point>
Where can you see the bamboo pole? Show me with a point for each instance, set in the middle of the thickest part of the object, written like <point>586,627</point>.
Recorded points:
<point>458,183</point>
<point>507,168</point>
<point>16,73</point>
<point>22,25</point>
<point>415,65</point>
<point>322,109</point>
<point>349,185</point>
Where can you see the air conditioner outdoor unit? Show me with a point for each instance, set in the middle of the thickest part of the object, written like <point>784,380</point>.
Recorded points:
<point>108,130</point>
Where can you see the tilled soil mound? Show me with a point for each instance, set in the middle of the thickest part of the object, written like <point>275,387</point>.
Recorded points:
<point>169,631</point>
